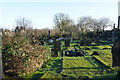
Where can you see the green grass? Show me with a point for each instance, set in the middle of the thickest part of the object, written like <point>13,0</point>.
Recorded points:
<point>54,65</point>
<point>51,75</point>
<point>79,67</point>
<point>85,66</point>
<point>107,60</point>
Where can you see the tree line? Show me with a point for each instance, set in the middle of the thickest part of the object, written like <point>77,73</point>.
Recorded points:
<point>63,24</point>
<point>84,24</point>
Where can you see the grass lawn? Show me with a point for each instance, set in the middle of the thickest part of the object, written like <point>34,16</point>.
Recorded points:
<point>79,67</point>
<point>84,66</point>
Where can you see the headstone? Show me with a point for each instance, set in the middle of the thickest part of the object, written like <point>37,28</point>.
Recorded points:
<point>116,53</point>
<point>116,47</point>
<point>57,47</point>
<point>48,33</point>
<point>67,43</point>
<point>54,50</point>
<point>71,39</point>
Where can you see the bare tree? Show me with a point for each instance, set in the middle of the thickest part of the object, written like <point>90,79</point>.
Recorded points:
<point>23,27</point>
<point>89,24</point>
<point>104,23</point>
<point>23,22</point>
<point>85,24</point>
<point>63,22</point>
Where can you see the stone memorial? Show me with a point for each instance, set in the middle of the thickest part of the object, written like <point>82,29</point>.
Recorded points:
<point>116,53</point>
<point>67,43</point>
<point>56,48</point>
<point>116,47</point>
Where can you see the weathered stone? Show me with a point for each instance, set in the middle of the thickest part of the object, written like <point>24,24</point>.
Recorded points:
<point>56,49</point>
<point>67,43</point>
<point>116,53</point>
<point>57,45</point>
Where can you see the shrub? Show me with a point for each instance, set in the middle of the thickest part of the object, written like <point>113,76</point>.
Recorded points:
<point>20,57</point>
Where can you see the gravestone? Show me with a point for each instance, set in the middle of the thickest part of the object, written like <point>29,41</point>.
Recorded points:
<point>116,47</point>
<point>67,43</point>
<point>116,53</point>
<point>49,34</point>
<point>54,50</point>
<point>57,48</point>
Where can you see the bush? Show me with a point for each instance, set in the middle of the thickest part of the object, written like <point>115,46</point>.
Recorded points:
<point>20,57</point>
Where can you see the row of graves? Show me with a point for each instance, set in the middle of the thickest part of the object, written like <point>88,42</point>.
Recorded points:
<point>57,49</point>
<point>86,42</point>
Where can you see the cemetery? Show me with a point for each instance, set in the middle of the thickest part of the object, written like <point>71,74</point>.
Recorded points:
<point>89,62</point>
<point>63,53</point>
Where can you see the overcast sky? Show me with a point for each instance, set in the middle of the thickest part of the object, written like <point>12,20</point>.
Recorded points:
<point>41,13</point>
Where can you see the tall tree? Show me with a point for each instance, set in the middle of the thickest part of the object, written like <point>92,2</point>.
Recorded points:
<point>24,22</point>
<point>104,23</point>
<point>63,22</point>
<point>23,27</point>
<point>85,23</point>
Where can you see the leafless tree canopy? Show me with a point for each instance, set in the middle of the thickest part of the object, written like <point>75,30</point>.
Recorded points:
<point>63,22</point>
<point>23,22</point>
<point>87,23</point>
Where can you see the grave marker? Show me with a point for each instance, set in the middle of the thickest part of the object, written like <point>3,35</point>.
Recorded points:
<point>57,48</point>
<point>67,43</point>
<point>48,33</point>
<point>116,47</point>
<point>116,53</point>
